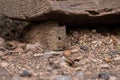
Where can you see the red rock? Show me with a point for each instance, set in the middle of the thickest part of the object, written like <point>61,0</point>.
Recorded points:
<point>67,53</point>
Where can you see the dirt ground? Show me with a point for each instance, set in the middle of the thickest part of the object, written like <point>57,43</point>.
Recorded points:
<point>93,54</point>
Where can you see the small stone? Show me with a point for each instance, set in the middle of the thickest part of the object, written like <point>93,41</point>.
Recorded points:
<point>84,47</point>
<point>55,72</point>
<point>2,53</point>
<point>63,63</point>
<point>94,60</point>
<point>62,77</point>
<point>91,56</point>
<point>25,74</point>
<point>8,58</point>
<point>117,58</point>
<point>67,53</point>
<point>32,46</point>
<point>107,60</point>
<point>46,56</point>
<point>113,78</point>
<point>74,48</point>
<point>4,64</point>
<point>94,42</point>
<point>37,55</point>
<point>104,75</point>
<point>105,66</point>
<point>18,50</point>
<point>11,45</point>
<point>113,53</point>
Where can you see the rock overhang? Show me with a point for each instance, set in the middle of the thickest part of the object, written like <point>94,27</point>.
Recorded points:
<point>63,11</point>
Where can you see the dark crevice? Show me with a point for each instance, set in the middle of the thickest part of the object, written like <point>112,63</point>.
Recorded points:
<point>92,12</point>
<point>59,38</point>
<point>103,29</point>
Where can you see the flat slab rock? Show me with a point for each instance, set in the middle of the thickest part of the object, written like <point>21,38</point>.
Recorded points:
<point>64,11</point>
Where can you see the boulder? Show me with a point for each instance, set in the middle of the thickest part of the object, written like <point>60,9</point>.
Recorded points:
<point>64,11</point>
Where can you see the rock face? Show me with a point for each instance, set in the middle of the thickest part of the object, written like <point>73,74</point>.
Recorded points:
<point>64,11</point>
<point>49,34</point>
